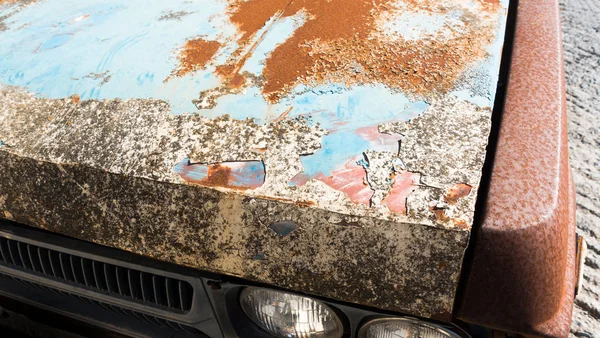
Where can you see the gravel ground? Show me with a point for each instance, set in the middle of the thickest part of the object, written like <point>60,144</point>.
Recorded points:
<point>581,27</point>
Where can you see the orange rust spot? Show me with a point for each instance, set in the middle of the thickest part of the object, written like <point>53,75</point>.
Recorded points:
<point>225,70</point>
<point>195,55</point>
<point>459,223</point>
<point>457,192</point>
<point>237,80</point>
<point>271,198</point>
<point>220,176</point>
<point>251,16</point>
<point>287,200</point>
<point>341,41</point>
<point>305,203</point>
<point>74,98</point>
<point>440,214</point>
<point>491,4</point>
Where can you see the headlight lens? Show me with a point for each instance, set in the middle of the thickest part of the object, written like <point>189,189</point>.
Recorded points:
<point>288,315</point>
<point>403,328</point>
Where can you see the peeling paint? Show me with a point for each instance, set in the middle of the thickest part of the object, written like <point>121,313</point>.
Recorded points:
<point>304,129</point>
<point>287,38</point>
<point>232,175</point>
<point>283,228</point>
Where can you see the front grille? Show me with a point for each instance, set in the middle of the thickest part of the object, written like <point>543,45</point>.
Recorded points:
<point>159,322</point>
<point>147,288</point>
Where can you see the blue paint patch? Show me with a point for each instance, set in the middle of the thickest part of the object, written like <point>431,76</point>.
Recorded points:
<point>52,45</point>
<point>193,172</point>
<point>338,148</point>
<point>284,228</point>
<point>359,108</point>
<point>55,41</point>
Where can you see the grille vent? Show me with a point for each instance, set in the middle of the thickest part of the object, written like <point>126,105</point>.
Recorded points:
<point>151,289</point>
<point>116,309</point>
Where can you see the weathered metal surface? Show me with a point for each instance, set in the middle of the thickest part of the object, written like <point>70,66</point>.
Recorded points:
<point>372,114</point>
<point>524,271</point>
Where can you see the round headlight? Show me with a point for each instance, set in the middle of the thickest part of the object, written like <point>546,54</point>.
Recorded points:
<point>403,328</point>
<point>287,315</point>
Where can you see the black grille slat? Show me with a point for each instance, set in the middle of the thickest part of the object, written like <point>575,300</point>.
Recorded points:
<point>151,319</point>
<point>186,294</point>
<point>123,281</point>
<point>35,258</point>
<point>55,264</point>
<point>99,275</point>
<point>133,278</point>
<point>174,294</point>
<point>170,296</point>
<point>4,251</point>
<point>44,261</point>
<point>65,267</point>
<point>158,285</point>
<point>12,251</point>
<point>23,256</point>
<point>76,269</point>
<point>110,278</point>
<point>146,287</point>
<point>88,273</point>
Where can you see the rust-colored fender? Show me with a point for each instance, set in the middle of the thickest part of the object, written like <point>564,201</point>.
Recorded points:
<point>523,272</point>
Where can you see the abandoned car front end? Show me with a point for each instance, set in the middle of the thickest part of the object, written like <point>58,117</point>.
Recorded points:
<point>287,168</point>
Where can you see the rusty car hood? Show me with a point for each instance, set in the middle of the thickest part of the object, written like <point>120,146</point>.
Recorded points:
<point>330,147</point>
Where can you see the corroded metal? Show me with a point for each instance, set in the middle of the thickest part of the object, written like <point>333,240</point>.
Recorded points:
<point>524,265</point>
<point>373,115</point>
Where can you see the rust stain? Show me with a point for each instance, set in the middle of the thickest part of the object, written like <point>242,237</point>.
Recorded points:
<point>195,55</point>
<point>461,224</point>
<point>74,98</point>
<point>249,17</point>
<point>490,4</point>
<point>440,214</point>
<point>218,176</point>
<point>222,177</point>
<point>457,192</point>
<point>305,203</point>
<point>341,42</point>
<point>302,203</point>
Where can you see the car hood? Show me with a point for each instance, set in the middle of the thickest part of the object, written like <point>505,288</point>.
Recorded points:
<point>333,148</point>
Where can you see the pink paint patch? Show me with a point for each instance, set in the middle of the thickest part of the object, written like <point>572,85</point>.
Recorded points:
<point>349,179</point>
<point>299,179</point>
<point>403,186</point>
<point>379,141</point>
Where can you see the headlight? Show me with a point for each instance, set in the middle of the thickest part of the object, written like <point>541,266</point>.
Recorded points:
<point>288,315</point>
<point>403,328</point>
